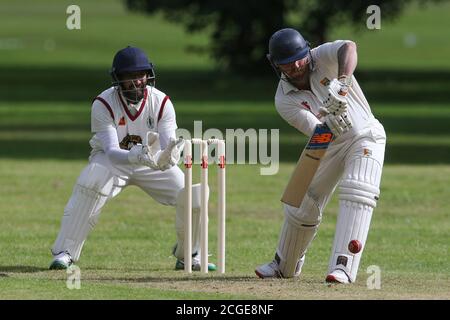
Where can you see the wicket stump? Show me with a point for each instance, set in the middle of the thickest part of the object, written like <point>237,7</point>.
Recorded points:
<point>220,152</point>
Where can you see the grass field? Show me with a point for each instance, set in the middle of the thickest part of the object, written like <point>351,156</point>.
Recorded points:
<point>50,74</point>
<point>128,255</point>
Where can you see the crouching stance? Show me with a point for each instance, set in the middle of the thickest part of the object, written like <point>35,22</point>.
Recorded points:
<point>134,143</point>
<point>317,86</point>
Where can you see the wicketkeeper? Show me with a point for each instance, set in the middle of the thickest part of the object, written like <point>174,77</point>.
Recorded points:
<point>318,86</point>
<point>134,143</point>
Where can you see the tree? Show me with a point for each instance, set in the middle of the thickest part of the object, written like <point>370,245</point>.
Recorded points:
<point>241,29</point>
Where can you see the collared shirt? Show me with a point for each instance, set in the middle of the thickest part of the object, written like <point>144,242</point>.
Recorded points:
<point>155,112</point>
<point>300,108</point>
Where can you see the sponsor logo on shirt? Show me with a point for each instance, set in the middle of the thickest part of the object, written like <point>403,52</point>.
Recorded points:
<point>367,152</point>
<point>129,141</point>
<point>325,81</point>
<point>306,105</point>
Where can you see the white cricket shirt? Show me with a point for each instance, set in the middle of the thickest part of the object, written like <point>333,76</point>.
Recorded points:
<point>300,108</point>
<point>110,114</point>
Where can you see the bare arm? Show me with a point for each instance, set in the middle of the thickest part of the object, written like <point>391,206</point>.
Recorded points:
<point>347,59</point>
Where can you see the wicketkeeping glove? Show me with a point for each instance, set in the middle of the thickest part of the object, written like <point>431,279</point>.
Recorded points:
<point>170,156</point>
<point>145,154</point>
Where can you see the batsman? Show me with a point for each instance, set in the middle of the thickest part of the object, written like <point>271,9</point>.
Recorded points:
<point>133,143</point>
<point>317,89</point>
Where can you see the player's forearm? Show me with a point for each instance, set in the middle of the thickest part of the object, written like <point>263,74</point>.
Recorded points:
<point>111,147</point>
<point>164,136</point>
<point>347,59</point>
<point>118,156</point>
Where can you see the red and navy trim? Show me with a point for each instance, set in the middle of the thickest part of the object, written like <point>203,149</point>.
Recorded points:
<point>161,110</point>
<point>106,104</point>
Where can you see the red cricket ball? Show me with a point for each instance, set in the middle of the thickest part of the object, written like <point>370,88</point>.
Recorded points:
<point>354,246</point>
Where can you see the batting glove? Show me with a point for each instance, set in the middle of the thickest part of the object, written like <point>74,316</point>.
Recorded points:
<point>336,102</point>
<point>338,124</point>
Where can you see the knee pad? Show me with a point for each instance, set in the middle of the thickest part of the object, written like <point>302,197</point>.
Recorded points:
<point>196,196</point>
<point>97,179</point>
<point>361,182</point>
<point>308,214</point>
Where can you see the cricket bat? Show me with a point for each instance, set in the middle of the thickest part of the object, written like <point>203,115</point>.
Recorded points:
<point>307,166</point>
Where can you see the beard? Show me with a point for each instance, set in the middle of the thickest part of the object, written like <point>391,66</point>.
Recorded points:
<point>133,95</point>
<point>299,79</point>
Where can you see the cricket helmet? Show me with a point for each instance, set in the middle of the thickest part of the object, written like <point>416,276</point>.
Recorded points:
<point>127,60</point>
<point>131,59</point>
<point>287,46</point>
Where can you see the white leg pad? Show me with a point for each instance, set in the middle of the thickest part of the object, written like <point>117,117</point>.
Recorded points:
<point>292,247</point>
<point>359,192</point>
<point>90,193</point>
<point>299,229</point>
<point>353,224</point>
<point>179,221</point>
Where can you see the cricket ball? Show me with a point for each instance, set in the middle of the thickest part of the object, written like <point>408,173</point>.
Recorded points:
<point>354,246</point>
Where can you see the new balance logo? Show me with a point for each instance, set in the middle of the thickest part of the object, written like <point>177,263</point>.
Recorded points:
<point>320,138</point>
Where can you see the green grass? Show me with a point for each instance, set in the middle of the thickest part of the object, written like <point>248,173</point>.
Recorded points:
<point>49,76</point>
<point>405,42</point>
<point>36,35</point>
<point>128,254</point>
<point>28,30</point>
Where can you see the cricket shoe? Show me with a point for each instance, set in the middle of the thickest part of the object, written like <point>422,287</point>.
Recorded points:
<point>61,261</point>
<point>196,266</point>
<point>272,269</point>
<point>338,276</point>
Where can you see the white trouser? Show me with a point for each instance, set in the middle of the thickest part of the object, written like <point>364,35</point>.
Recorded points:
<point>100,181</point>
<point>341,160</point>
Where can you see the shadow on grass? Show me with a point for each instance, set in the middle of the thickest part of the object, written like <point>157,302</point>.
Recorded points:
<point>22,269</point>
<point>67,134</point>
<point>82,84</point>
<point>289,151</point>
<point>180,277</point>
<point>198,278</point>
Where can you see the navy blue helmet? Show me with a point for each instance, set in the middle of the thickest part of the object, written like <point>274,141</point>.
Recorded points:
<point>286,46</point>
<point>128,60</point>
<point>131,59</point>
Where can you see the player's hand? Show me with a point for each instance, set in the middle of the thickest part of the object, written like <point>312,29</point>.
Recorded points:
<point>145,154</point>
<point>139,154</point>
<point>338,124</point>
<point>170,156</point>
<point>336,102</point>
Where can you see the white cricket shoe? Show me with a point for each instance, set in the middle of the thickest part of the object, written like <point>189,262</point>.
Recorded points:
<point>269,270</point>
<point>272,269</point>
<point>62,260</point>
<point>338,276</point>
